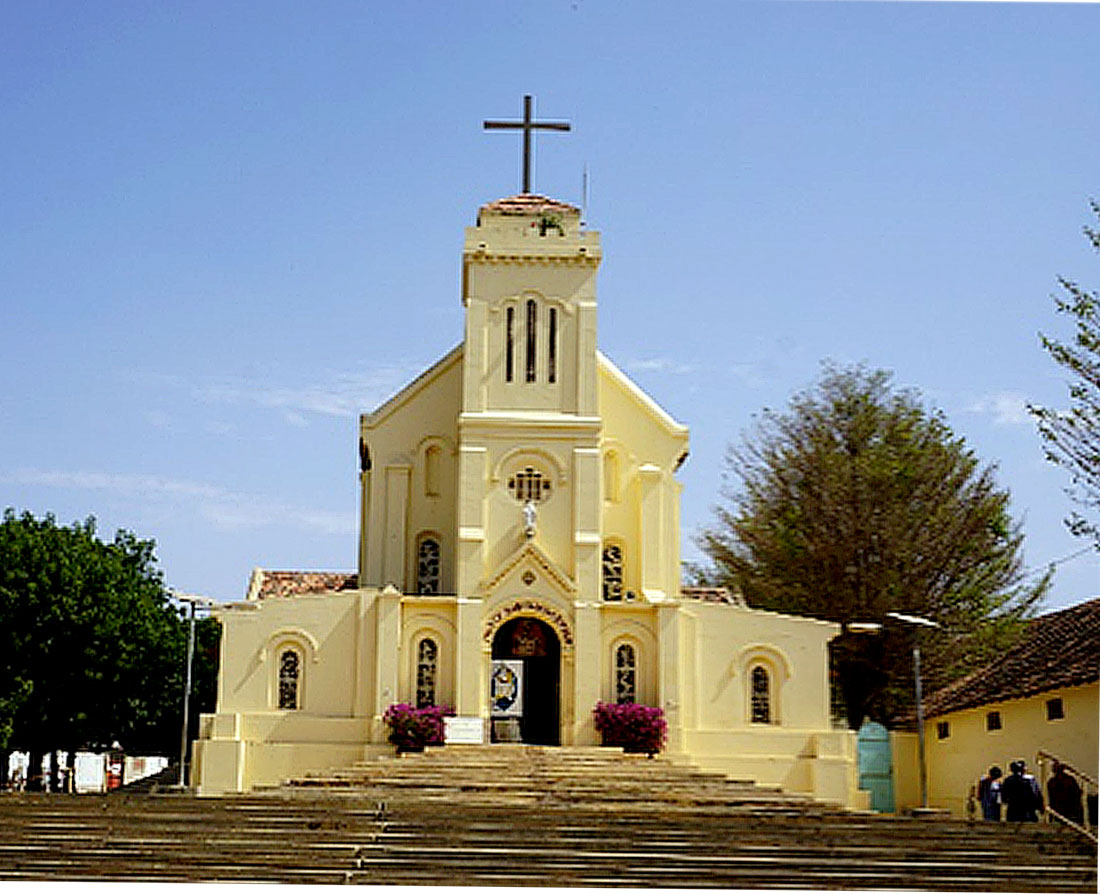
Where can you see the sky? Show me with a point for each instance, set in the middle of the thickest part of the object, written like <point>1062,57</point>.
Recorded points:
<point>226,229</point>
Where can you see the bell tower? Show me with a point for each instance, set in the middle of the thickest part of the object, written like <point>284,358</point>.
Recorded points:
<point>529,288</point>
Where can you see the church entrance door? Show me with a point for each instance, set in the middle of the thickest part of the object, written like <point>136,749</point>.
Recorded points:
<point>536,645</point>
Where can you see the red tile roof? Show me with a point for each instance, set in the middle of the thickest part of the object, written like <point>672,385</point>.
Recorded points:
<point>1057,651</point>
<point>529,203</point>
<point>274,584</point>
<point>712,594</point>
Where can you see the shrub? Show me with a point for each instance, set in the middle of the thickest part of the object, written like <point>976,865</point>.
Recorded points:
<point>634,728</point>
<point>413,728</point>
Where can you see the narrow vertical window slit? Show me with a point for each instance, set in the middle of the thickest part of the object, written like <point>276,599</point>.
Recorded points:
<point>509,328</point>
<point>532,319</point>
<point>552,347</point>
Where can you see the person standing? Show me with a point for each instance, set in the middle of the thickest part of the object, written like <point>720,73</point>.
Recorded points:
<point>1064,794</point>
<point>1020,794</point>
<point>989,794</point>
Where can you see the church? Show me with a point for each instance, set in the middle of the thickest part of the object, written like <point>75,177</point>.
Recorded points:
<point>520,522</point>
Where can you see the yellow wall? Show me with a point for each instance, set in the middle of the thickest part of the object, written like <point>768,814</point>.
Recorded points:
<point>610,455</point>
<point>958,761</point>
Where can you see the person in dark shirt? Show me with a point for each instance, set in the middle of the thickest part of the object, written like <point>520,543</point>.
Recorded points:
<point>989,794</point>
<point>1020,794</point>
<point>1065,794</point>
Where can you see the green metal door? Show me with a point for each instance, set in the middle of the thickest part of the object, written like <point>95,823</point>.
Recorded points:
<point>875,768</point>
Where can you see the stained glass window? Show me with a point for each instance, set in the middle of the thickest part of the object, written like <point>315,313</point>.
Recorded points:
<point>288,680</point>
<point>427,566</point>
<point>761,696</point>
<point>625,675</point>
<point>427,657</point>
<point>613,573</point>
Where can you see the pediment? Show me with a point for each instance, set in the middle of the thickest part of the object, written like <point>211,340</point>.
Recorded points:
<point>530,558</point>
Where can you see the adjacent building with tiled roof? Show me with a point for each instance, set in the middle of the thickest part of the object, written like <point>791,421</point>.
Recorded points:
<point>1058,650</point>
<point>266,584</point>
<point>1038,701</point>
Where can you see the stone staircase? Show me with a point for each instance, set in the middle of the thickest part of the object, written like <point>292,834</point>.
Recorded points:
<point>521,815</point>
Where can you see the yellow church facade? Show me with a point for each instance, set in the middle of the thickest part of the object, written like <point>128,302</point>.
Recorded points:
<point>519,509</point>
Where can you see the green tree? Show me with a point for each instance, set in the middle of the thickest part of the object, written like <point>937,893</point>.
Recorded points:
<point>1071,438</point>
<point>856,501</point>
<point>91,649</point>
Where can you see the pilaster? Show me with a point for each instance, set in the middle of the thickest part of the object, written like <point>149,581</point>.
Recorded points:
<point>652,529</point>
<point>397,509</point>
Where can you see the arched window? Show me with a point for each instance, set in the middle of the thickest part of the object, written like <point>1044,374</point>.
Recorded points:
<point>532,322</point>
<point>427,566</point>
<point>427,661</point>
<point>509,343</point>
<point>289,670</point>
<point>612,572</point>
<point>761,710</point>
<point>626,691</point>
<point>431,471</point>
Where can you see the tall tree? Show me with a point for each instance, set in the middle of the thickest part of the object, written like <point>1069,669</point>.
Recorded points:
<point>856,501</point>
<point>1071,438</point>
<point>91,649</point>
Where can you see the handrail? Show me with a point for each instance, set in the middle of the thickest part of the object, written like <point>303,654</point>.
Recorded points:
<point>1041,753</point>
<point>1041,757</point>
<point>1050,811</point>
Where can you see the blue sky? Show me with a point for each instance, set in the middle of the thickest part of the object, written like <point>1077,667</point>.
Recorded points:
<point>228,228</point>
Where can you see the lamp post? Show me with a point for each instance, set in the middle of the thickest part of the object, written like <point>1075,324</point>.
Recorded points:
<point>195,602</point>
<point>914,621</point>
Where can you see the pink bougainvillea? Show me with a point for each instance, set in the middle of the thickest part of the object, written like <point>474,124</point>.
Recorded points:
<point>413,728</point>
<point>634,728</point>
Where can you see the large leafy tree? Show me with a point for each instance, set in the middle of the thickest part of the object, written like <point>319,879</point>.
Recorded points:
<point>856,501</point>
<point>1071,437</point>
<point>91,649</point>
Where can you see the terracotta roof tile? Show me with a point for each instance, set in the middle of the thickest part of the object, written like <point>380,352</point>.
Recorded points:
<point>529,203</point>
<point>712,594</point>
<point>1058,650</point>
<point>274,584</point>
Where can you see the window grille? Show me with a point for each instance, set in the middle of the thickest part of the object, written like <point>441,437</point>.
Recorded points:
<point>612,573</point>
<point>427,657</point>
<point>943,729</point>
<point>427,567</point>
<point>625,675</point>
<point>1055,709</point>
<point>529,486</point>
<point>993,721</point>
<point>288,680</point>
<point>761,696</point>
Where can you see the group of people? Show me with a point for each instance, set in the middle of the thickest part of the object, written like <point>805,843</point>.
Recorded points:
<point>1022,796</point>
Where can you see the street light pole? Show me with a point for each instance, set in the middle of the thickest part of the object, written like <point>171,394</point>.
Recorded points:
<point>194,601</point>
<point>187,698</point>
<point>913,621</point>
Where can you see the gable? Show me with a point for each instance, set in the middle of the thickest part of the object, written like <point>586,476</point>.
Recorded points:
<point>632,418</point>
<point>417,387</point>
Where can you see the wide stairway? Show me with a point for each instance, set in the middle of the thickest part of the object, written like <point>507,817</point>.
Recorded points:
<point>523,815</point>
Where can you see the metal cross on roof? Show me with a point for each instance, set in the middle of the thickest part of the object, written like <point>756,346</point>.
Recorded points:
<point>527,125</point>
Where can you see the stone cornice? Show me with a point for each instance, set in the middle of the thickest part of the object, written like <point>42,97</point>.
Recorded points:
<point>579,258</point>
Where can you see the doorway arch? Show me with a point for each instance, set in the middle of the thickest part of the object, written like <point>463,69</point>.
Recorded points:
<point>534,643</point>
